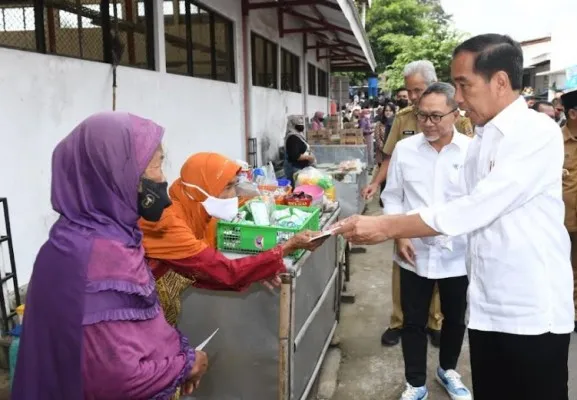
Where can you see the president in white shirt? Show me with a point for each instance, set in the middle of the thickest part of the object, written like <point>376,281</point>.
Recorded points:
<point>520,278</point>
<point>424,170</point>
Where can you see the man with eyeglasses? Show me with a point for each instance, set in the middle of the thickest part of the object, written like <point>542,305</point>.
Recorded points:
<point>418,76</point>
<point>423,171</point>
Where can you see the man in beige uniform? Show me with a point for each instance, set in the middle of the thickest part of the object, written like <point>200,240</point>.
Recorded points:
<point>570,180</point>
<point>418,76</point>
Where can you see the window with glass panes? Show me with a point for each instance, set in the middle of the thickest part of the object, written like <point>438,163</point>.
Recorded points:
<point>199,42</point>
<point>264,62</point>
<point>290,72</point>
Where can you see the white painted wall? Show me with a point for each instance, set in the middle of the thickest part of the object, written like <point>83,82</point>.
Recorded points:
<point>272,106</point>
<point>316,103</point>
<point>45,96</point>
<point>531,51</point>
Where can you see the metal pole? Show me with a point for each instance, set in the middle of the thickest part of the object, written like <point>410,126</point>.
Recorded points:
<point>11,253</point>
<point>116,57</point>
<point>284,338</point>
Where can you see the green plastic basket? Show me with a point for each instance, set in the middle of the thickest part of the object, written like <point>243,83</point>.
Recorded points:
<point>252,239</point>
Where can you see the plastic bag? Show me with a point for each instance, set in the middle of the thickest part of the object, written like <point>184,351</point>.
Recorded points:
<point>247,190</point>
<point>265,176</point>
<point>313,176</point>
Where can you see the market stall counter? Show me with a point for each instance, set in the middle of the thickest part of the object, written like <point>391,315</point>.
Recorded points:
<point>335,153</point>
<point>349,183</point>
<point>270,345</point>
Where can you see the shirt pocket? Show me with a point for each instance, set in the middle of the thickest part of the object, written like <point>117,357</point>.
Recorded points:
<point>414,175</point>
<point>455,174</point>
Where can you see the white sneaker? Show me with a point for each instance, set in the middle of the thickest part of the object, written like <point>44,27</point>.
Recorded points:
<point>451,381</point>
<point>415,393</point>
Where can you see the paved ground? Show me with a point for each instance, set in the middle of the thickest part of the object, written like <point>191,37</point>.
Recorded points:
<point>370,371</point>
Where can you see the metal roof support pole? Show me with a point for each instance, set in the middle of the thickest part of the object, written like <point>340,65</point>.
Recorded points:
<point>328,81</point>
<point>246,78</point>
<point>304,85</point>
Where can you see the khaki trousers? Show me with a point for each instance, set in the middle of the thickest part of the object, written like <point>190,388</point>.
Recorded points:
<point>435,316</point>
<point>573,236</point>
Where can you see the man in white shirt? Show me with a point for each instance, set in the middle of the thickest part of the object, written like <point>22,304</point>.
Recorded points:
<point>424,171</point>
<point>520,279</point>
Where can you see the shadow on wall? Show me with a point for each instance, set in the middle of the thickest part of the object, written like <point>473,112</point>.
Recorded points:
<point>264,149</point>
<point>271,140</point>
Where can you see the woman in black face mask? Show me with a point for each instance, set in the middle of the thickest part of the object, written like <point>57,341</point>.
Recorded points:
<point>153,190</point>
<point>106,173</point>
<point>297,150</point>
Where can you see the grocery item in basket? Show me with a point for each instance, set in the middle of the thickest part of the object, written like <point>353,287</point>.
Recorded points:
<point>259,212</point>
<point>300,213</point>
<point>299,199</point>
<point>291,222</point>
<point>282,214</point>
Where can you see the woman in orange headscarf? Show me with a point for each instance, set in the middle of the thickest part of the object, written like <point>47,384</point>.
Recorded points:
<point>181,246</point>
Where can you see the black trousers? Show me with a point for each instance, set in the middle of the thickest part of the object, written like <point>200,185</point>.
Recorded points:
<point>506,366</point>
<point>416,293</point>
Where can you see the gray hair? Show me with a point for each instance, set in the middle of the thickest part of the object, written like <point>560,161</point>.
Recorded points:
<point>446,89</point>
<point>423,67</point>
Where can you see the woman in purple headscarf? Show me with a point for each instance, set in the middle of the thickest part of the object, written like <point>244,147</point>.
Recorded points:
<point>93,327</point>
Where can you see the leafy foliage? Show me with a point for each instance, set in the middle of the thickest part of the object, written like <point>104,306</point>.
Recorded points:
<point>401,31</point>
<point>436,45</point>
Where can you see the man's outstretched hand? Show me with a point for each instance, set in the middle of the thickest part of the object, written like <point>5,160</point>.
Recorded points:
<point>361,229</point>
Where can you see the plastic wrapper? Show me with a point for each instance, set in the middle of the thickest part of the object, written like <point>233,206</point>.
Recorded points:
<point>265,212</point>
<point>259,213</point>
<point>282,214</point>
<point>265,175</point>
<point>351,166</point>
<point>313,176</point>
<point>246,189</point>
<point>299,199</point>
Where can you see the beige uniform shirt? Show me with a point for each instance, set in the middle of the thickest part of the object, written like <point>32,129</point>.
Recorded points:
<point>405,125</point>
<point>570,179</point>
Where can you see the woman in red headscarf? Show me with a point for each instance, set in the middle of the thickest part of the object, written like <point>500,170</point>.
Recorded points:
<point>181,247</point>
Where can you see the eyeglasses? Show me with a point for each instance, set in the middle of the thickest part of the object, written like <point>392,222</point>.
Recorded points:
<point>435,118</point>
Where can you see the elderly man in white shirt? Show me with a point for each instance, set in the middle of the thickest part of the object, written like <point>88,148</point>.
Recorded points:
<point>520,278</point>
<point>424,171</point>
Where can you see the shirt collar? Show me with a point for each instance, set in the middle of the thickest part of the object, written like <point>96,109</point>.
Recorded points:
<point>457,140</point>
<point>567,135</point>
<point>507,119</point>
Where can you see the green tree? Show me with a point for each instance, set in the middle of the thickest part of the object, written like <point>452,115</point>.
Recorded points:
<point>435,45</point>
<point>401,30</point>
<point>389,20</point>
<point>386,21</point>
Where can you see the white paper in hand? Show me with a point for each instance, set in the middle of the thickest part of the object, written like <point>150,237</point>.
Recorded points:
<point>326,233</point>
<point>203,344</point>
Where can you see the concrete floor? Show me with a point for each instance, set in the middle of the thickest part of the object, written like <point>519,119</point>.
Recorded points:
<point>370,371</point>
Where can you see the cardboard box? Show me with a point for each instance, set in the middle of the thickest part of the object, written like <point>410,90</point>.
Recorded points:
<point>352,133</point>
<point>319,141</point>
<point>321,134</point>
<point>352,141</point>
